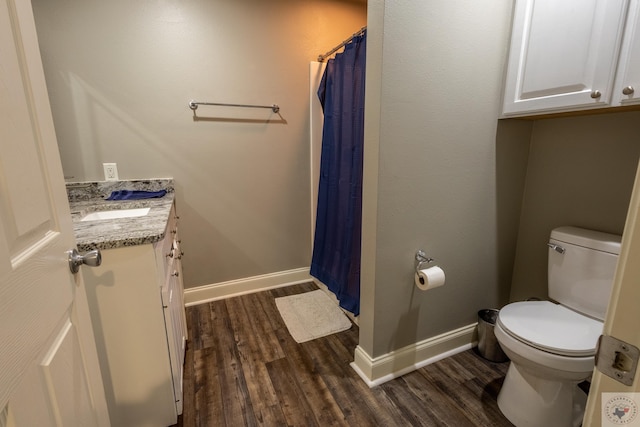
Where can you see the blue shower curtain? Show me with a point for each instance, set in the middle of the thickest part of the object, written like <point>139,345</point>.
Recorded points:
<point>336,249</point>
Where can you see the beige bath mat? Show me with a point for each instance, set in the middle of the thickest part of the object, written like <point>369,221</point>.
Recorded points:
<point>311,315</point>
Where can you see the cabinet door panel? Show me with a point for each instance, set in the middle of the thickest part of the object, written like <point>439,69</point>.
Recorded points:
<point>629,65</point>
<point>174,318</point>
<point>561,52</point>
<point>128,321</point>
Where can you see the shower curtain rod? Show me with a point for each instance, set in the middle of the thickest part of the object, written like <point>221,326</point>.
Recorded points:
<point>321,58</point>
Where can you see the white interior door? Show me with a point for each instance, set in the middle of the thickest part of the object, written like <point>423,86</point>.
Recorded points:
<point>622,322</point>
<point>49,374</point>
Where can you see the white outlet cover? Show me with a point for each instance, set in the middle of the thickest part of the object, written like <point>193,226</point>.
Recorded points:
<point>110,171</point>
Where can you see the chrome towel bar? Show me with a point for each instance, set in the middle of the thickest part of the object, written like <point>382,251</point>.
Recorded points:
<point>194,105</point>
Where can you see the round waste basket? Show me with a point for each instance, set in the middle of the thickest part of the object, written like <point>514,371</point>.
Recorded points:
<point>488,345</point>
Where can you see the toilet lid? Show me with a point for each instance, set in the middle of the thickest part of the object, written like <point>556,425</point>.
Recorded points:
<point>551,327</point>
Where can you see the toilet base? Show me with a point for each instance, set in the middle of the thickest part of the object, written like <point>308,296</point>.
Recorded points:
<point>528,400</point>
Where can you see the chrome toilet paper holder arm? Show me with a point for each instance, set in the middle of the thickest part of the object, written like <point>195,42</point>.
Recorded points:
<point>422,258</point>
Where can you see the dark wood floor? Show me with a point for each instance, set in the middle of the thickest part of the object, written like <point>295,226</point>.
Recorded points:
<point>243,368</point>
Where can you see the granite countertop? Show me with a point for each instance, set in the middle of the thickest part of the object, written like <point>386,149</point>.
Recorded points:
<point>85,198</point>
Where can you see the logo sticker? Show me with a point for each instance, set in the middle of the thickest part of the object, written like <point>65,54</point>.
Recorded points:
<point>620,409</point>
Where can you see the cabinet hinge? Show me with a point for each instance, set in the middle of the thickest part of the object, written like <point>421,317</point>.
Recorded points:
<point>617,359</point>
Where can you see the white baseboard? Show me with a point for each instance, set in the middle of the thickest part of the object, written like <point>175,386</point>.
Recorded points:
<point>378,370</point>
<point>217,291</point>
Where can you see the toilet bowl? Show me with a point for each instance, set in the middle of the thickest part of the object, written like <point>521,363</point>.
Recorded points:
<point>552,345</point>
<point>551,349</point>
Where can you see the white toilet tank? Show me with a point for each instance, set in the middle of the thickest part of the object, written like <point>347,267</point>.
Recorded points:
<point>581,267</point>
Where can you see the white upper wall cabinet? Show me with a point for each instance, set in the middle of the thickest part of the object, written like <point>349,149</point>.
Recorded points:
<point>627,87</point>
<point>563,55</point>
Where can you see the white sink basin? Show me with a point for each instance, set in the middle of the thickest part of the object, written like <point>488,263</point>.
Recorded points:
<point>115,214</point>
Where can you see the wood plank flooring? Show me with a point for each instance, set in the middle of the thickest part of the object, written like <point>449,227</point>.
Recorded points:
<point>243,368</point>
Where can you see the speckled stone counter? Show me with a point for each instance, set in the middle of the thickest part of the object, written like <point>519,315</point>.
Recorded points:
<point>87,197</point>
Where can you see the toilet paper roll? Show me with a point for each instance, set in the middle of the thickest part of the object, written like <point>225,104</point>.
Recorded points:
<point>429,278</point>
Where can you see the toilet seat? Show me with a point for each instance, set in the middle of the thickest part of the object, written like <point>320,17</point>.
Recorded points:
<point>551,327</point>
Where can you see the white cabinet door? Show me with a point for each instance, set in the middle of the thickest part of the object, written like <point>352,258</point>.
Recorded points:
<point>173,304</point>
<point>128,321</point>
<point>49,373</point>
<point>563,55</point>
<point>627,87</point>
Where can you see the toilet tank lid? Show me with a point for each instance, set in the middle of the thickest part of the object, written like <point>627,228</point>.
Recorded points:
<point>592,239</point>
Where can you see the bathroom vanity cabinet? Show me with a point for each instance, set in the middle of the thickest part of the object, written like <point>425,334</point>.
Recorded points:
<point>573,55</point>
<point>137,309</point>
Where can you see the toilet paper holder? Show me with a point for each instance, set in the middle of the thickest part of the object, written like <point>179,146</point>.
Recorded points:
<point>422,258</point>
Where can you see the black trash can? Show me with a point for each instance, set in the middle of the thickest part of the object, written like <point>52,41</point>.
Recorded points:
<point>488,345</point>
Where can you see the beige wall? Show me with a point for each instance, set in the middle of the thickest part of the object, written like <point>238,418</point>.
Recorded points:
<point>441,173</point>
<point>120,74</point>
<point>581,172</point>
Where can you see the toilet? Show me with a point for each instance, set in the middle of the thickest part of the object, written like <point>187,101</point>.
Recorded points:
<point>552,344</point>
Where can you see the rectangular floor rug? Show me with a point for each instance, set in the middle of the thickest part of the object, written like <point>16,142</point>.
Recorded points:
<point>311,315</point>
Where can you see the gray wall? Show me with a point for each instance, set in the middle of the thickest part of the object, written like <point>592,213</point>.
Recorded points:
<point>120,74</point>
<point>581,172</point>
<point>441,173</point>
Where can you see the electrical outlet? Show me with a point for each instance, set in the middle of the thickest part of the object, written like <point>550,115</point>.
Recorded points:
<point>110,171</point>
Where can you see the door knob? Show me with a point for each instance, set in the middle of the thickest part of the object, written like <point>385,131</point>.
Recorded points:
<point>596,94</point>
<point>91,258</point>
